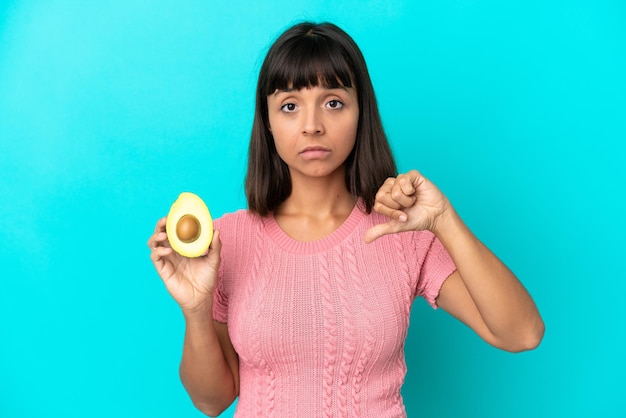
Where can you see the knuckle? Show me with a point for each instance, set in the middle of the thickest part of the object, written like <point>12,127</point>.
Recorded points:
<point>396,193</point>
<point>405,180</point>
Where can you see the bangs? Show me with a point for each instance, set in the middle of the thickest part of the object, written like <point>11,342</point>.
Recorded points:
<point>308,61</point>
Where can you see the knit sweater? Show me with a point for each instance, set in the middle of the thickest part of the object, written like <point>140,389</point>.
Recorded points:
<point>320,326</point>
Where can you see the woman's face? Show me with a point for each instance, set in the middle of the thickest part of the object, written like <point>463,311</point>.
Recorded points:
<point>314,129</point>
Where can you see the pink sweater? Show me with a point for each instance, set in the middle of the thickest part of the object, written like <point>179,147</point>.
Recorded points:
<point>320,326</point>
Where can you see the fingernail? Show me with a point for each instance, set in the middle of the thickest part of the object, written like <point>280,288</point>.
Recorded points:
<point>402,218</point>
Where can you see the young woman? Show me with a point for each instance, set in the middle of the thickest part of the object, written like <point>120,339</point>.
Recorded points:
<point>301,306</point>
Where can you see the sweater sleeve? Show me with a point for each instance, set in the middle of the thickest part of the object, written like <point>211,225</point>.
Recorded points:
<point>435,266</point>
<point>236,233</point>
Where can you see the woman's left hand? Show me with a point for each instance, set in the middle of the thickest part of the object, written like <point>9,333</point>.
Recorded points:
<point>411,202</point>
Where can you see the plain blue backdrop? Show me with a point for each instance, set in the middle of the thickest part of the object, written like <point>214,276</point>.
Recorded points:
<point>109,109</point>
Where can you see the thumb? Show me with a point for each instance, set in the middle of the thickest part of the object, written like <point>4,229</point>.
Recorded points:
<point>379,230</point>
<point>214,250</point>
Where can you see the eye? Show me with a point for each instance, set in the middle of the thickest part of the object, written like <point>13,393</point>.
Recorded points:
<point>288,107</point>
<point>334,104</point>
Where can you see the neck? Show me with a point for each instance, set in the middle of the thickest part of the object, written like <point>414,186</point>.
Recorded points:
<point>318,197</point>
<point>315,208</point>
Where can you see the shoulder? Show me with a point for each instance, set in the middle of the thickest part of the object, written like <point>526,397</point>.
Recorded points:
<point>234,225</point>
<point>241,217</point>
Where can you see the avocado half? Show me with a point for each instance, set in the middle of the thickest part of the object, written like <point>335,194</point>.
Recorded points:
<point>189,225</point>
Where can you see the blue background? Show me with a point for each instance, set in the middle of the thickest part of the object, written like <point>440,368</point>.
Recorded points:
<point>109,109</point>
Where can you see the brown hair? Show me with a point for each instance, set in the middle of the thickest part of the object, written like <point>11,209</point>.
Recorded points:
<point>310,55</point>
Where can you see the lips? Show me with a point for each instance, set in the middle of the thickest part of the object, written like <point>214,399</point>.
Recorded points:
<point>314,152</point>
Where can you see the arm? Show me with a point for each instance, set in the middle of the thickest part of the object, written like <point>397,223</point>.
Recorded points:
<point>483,293</point>
<point>209,367</point>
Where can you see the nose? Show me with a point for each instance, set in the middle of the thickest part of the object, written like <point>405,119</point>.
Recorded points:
<point>312,123</point>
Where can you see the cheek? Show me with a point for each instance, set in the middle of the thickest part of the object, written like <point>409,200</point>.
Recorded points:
<point>281,143</point>
<point>283,132</point>
<point>351,127</point>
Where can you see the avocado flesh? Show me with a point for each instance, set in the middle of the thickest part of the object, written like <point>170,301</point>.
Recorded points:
<point>189,209</point>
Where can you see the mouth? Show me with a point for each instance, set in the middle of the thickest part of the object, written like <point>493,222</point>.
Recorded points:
<point>314,152</point>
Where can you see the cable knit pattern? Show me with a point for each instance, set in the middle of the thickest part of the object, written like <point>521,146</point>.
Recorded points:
<point>330,336</point>
<point>406,304</point>
<point>265,378</point>
<point>368,337</point>
<point>320,326</point>
<point>349,319</point>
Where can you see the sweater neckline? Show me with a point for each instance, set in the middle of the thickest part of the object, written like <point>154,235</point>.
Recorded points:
<point>284,241</point>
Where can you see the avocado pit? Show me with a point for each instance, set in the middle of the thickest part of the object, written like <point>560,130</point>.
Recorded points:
<point>188,228</point>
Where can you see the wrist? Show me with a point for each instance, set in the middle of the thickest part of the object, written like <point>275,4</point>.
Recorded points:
<point>201,312</point>
<point>448,224</point>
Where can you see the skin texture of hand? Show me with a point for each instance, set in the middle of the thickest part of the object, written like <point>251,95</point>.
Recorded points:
<point>190,281</point>
<point>411,202</point>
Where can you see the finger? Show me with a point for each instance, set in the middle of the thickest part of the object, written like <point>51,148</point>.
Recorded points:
<point>384,197</point>
<point>163,240</point>
<point>160,225</point>
<point>406,183</point>
<point>403,191</point>
<point>384,202</point>
<point>159,253</point>
<point>414,176</point>
<point>158,239</point>
<point>404,198</point>
<point>397,193</point>
<point>152,241</point>
<point>390,211</point>
<point>158,257</point>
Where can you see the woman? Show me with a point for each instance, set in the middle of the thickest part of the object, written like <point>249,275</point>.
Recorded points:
<point>301,306</point>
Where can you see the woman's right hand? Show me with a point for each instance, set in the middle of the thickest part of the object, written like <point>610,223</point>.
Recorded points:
<point>190,281</point>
